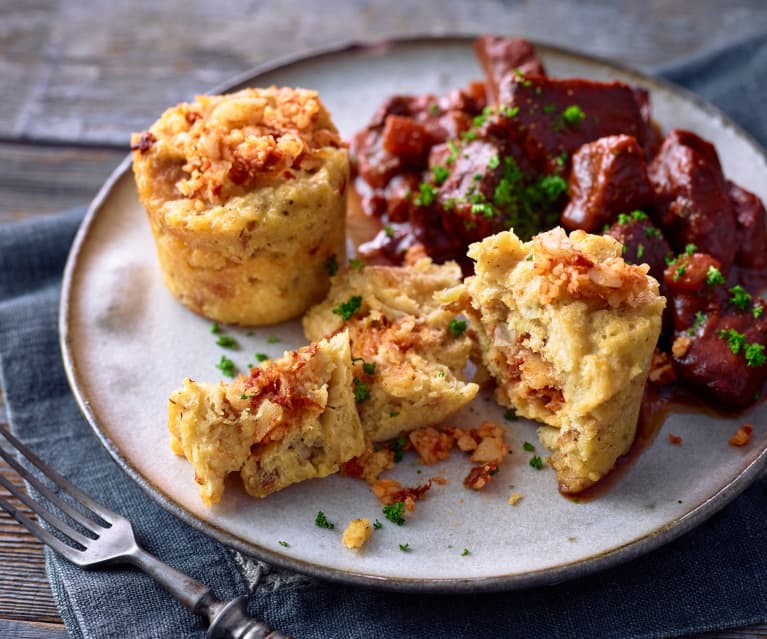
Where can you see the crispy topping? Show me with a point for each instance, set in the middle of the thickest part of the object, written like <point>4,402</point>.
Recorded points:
<point>241,139</point>
<point>570,272</point>
<point>742,436</point>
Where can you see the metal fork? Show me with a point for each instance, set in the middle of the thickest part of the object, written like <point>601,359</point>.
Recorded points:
<point>114,542</point>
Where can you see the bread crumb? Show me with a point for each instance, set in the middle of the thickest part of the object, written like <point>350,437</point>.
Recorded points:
<point>680,346</point>
<point>515,498</point>
<point>357,533</point>
<point>675,439</point>
<point>742,436</point>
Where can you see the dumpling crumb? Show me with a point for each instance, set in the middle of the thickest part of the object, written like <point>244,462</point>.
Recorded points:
<point>357,533</point>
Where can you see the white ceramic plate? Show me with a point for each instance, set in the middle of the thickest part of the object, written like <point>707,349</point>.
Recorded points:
<point>127,344</point>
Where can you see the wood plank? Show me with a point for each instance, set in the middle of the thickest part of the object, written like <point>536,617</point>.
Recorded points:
<point>37,179</point>
<point>137,60</point>
<point>26,630</point>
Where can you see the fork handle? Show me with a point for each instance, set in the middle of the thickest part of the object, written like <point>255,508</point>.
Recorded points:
<point>232,622</point>
<point>228,619</point>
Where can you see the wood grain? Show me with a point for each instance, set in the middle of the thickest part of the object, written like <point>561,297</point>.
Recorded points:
<point>78,77</point>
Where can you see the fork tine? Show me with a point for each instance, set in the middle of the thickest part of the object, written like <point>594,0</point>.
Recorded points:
<point>97,509</point>
<point>52,519</point>
<point>43,535</point>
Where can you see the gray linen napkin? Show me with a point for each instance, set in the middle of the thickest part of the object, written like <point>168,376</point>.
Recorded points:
<point>714,577</point>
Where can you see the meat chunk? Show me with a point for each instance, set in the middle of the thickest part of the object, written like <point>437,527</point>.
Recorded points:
<point>608,177</point>
<point>642,241</point>
<point>724,330</point>
<point>751,227</point>
<point>692,199</point>
<point>557,116</point>
<point>501,56</point>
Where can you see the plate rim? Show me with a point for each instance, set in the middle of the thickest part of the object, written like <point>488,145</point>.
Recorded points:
<point>545,576</point>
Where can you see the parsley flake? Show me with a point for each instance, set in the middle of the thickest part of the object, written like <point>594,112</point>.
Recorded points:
<point>356,264</point>
<point>426,195</point>
<point>573,114</point>
<point>528,447</point>
<point>284,544</point>
<point>536,462</point>
<point>369,368</point>
<point>457,327</point>
<point>740,297</point>
<point>735,339</point>
<point>510,415</point>
<point>689,249</point>
<point>757,311</point>
<point>349,307</point>
<point>398,448</point>
<point>272,339</point>
<point>361,390</point>
<point>755,356</point>
<point>226,341</point>
<point>465,552</point>
<point>262,357</point>
<point>714,276</point>
<point>493,162</point>
<point>700,320</point>
<point>322,522</point>
<point>214,328</point>
<point>440,174</point>
<point>395,512</point>
<point>226,366</point>
<point>377,524</point>
<point>404,547</point>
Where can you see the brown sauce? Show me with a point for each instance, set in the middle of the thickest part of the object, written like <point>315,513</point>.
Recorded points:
<point>658,403</point>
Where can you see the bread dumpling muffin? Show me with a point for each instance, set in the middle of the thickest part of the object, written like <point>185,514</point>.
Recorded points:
<point>290,420</point>
<point>567,328</point>
<point>409,350</point>
<point>246,198</point>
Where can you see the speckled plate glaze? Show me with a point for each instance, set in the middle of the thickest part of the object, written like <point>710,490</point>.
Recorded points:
<point>127,344</point>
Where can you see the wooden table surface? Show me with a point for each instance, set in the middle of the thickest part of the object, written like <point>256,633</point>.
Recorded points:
<point>77,77</point>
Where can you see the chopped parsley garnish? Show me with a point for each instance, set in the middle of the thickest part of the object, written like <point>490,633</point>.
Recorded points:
<point>361,390</point>
<point>426,194</point>
<point>226,341</point>
<point>679,272</point>
<point>226,366</point>
<point>469,135</point>
<point>377,524</point>
<point>651,231</point>
<point>714,276</point>
<point>457,327</point>
<point>757,311</point>
<point>331,265</point>
<point>349,307</point>
<point>509,111</point>
<point>322,522</point>
<point>262,357</point>
<point>536,462</point>
<point>700,320</point>
<point>689,249</point>
<point>356,263</point>
<point>465,552</point>
<point>404,547</point>
<point>272,339</point>
<point>493,162</point>
<point>573,114</point>
<point>284,544</point>
<point>394,413</point>
<point>398,448</point>
<point>214,328</point>
<point>244,396</point>
<point>549,108</point>
<point>528,447</point>
<point>735,340</point>
<point>395,512</point>
<point>440,174</point>
<point>434,108</point>
<point>627,218</point>
<point>529,258</point>
<point>510,414</point>
<point>755,355</point>
<point>740,297</point>
<point>640,251</point>
<point>669,259</point>
<point>388,230</point>
<point>369,368</point>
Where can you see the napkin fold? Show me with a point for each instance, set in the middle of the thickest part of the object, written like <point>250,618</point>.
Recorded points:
<point>712,578</point>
